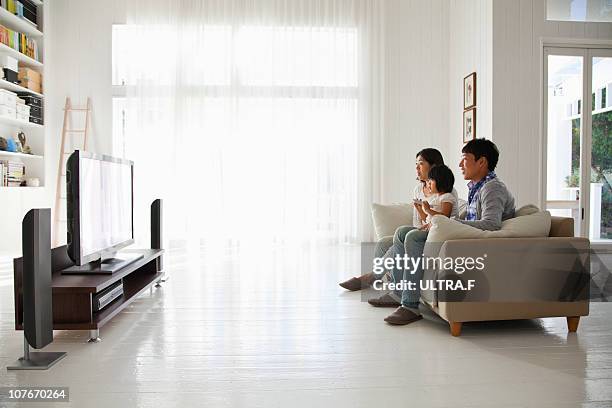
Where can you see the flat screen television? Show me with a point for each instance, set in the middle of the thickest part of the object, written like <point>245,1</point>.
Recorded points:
<point>100,211</point>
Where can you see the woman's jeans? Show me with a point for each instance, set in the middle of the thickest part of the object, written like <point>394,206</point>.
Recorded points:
<point>410,241</point>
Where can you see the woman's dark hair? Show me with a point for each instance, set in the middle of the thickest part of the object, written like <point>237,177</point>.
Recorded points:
<point>483,147</point>
<point>431,156</point>
<point>444,178</point>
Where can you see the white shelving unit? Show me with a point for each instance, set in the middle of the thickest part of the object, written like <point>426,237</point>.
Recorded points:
<point>10,20</point>
<point>20,155</point>
<point>16,88</point>
<point>10,127</point>
<point>22,124</point>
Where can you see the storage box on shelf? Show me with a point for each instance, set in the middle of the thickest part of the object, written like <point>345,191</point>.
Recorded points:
<point>23,110</point>
<point>31,79</point>
<point>9,62</point>
<point>17,109</point>
<point>24,9</point>
<point>8,104</point>
<point>36,107</point>
<point>8,98</point>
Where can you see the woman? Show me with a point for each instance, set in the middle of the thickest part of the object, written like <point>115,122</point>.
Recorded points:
<point>387,247</point>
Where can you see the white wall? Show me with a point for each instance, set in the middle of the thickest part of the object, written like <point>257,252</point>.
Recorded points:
<point>518,27</point>
<point>417,106</point>
<point>470,50</point>
<point>77,64</point>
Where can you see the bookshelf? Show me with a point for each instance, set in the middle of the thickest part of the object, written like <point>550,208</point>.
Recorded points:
<point>10,20</point>
<point>19,124</point>
<point>23,59</point>
<point>11,126</point>
<point>20,155</point>
<point>16,88</point>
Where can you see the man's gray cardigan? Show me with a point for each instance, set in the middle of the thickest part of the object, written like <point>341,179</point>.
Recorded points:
<point>494,204</point>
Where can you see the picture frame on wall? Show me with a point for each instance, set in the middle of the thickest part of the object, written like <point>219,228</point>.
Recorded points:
<point>469,125</point>
<point>469,91</point>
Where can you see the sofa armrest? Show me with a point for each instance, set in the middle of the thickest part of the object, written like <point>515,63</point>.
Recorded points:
<point>514,270</point>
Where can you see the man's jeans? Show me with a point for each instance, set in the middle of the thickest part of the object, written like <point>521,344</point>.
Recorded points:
<point>411,241</point>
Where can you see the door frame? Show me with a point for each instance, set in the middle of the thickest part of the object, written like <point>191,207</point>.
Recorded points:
<point>587,50</point>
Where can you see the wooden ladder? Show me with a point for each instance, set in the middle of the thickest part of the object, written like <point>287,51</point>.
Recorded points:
<point>68,135</point>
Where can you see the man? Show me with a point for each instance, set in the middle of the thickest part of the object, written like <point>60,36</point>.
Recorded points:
<point>489,203</point>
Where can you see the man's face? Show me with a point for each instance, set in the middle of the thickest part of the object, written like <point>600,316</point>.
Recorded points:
<point>470,167</point>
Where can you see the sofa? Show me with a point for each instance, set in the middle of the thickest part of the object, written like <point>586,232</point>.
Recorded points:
<point>533,268</point>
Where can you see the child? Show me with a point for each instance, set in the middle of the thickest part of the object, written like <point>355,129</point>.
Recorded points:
<point>442,202</point>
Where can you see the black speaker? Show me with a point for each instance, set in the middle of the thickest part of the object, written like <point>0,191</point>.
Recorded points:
<point>37,305</point>
<point>157,228</point>
<point>37,292</point>
<point>72,196</point>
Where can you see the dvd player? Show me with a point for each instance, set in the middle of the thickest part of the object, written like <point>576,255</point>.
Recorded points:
<point>107,296</point>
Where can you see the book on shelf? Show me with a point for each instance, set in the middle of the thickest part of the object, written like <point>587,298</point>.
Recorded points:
<point>19,42</point>
<point>12,173</point>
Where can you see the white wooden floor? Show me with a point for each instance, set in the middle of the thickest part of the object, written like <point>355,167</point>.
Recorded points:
<point>271,328</point>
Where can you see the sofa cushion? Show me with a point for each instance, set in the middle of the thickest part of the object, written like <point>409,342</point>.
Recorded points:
<point>533,225</point>
<point>561,227</point>
<point>387,218</point>
<point>526,210</point>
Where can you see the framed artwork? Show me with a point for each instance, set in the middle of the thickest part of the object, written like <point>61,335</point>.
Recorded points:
<point>469,125</point>
<point>469,91</point>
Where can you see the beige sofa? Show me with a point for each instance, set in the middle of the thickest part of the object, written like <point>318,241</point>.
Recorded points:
<point>523,278</point>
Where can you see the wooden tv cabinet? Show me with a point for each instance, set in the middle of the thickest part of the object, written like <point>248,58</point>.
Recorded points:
<point>72,294</point>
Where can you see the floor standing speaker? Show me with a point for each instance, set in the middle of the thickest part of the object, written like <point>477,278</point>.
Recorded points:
<point>37,301</point>
<point>157,229</point>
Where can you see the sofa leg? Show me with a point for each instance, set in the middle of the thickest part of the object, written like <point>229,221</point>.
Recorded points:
<point>572,323</point>
<point>455,328</point>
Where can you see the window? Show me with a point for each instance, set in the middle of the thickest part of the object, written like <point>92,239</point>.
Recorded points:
<point>579,10</point>
<point>261,114</point>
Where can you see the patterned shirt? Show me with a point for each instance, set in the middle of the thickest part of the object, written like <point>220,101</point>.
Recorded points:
<point>470,214</point>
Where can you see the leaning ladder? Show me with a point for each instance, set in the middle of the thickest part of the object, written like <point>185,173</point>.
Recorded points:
<point>68,134</point>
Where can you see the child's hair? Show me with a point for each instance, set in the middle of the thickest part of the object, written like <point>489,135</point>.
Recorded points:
<point>443,176</point>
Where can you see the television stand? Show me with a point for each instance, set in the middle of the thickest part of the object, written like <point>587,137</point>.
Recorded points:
<point>106,266</point>
<point>72,295</point>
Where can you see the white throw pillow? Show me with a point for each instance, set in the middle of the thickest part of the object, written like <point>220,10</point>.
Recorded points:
<point>526,210</point>
<point>533,225</point>
<point>387,218</point>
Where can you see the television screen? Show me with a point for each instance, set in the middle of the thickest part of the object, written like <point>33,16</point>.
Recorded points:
<point>101,204</point>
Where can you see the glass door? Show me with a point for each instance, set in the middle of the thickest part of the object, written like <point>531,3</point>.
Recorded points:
<point>578,138</point>
<point>563,102</point>
<point>600,169</point>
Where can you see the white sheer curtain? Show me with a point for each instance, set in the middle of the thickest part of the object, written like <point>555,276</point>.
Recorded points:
<point>255,120</point>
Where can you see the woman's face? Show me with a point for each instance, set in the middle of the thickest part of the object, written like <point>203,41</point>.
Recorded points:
<point>422,168</point>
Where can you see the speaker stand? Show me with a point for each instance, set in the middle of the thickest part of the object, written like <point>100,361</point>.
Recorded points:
<point>164,279</point>
<point>39,360</point>
<point>94,336</point>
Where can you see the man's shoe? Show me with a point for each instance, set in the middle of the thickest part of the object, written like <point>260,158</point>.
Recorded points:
<point>362,282</point>
<point>402,316</point>
<point>385,300</point>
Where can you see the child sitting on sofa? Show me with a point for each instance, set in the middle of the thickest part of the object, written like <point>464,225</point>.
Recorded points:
<point>440,182</point>
<point>442,202</point>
